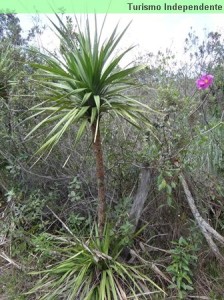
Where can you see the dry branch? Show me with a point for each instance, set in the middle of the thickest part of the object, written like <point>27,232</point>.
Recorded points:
<point>143,189</point>
<point>209,232</point>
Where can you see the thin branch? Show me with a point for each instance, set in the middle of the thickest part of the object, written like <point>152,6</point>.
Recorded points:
<point>97,255</point>
<point>11,262</point>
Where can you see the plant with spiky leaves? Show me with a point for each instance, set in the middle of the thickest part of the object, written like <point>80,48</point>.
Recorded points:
<point>81,85</point>
<point>91,270</point>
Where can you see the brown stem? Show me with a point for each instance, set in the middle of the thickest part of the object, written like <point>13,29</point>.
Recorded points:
<point>100,175</point>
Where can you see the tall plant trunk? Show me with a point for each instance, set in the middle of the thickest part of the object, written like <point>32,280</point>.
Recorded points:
<point>100,175</point>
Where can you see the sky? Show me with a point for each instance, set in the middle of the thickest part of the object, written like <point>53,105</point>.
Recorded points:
<point>149,32</point>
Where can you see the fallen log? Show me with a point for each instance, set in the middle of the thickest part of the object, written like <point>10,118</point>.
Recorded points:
<point>207,230</point>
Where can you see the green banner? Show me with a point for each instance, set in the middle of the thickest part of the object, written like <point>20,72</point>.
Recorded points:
<point>113,6</point>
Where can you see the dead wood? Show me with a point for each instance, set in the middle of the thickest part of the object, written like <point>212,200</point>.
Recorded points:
<point>207,230</point>
<point>144,186</point>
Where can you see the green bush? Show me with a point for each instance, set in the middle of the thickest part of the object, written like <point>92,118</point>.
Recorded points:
<point>183,258</point>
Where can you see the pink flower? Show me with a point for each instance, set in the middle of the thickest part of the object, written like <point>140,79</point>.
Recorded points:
<point>204,81</point>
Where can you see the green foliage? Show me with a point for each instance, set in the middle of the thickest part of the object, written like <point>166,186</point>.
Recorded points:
<point>91,269</point>
<point>167,186</point>
<point>167,183</point>
<point>183,258</point>
<point>79,223</point>
<point>74,188</point>
<point>24,216</point>
<point>27,213</point>
<point>123,229</point>
<point>42,246</point>
<point>84,84</point>
<point>119,213</point>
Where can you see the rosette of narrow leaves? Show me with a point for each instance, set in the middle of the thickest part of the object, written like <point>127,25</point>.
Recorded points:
<point>92,270</point>
<point>83,83</point>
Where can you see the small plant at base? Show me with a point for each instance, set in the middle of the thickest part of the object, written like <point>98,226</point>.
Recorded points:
<point>74,187</point>
<point>182,259</point>
<point>123,228</point>
<point>79,224</point>
<point>92,271</point>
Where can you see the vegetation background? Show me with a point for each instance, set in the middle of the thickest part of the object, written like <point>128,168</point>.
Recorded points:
<point>164,182</point>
